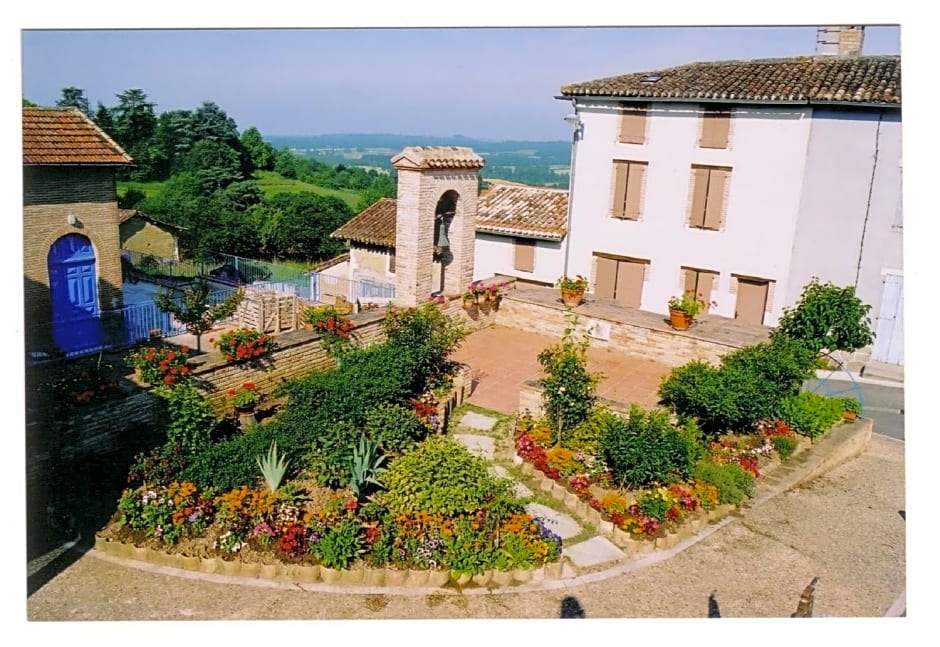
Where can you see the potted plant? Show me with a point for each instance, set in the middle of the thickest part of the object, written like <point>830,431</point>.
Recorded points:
<point>469,299</point>
<point>479,292</point>
<point>243,345</point>
<point>572,289</point>
<point>159,364</point>
<point>245,398</point>
<point>684,309</point>
<point>852,408</point>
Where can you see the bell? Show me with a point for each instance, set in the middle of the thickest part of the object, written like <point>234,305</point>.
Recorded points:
<point>442,241</point>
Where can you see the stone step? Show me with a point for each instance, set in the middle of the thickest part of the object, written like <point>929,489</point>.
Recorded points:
<point>559,523</point>
<point>478,421</point>
<point>519,489</point>
<point>593,552</point>
<point>482,446</point>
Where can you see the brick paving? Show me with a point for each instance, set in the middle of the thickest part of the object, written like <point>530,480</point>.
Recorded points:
<point>503,359</point>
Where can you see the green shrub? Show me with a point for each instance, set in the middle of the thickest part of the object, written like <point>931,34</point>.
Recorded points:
<point>232,462</point>
<point>425,337</point>
<point>810,414</point>
<point>395,427</point>
<point>161,466</point>
<point>568,388</point>
<point>331,455</point>
<point>439,476</point>
<point>851,404</point>
<point>190,418</point>
<point>827,317</point>
<point>586,436</point>
<point>646,449</point>
<point>340,545</point>
<point>733,482</point>
<point>784,445</point>
<point>747,387</point>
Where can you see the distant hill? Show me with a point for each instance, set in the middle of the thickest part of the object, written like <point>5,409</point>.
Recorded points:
<point>532,162</point>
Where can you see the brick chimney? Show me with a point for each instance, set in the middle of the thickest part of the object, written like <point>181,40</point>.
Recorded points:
<point>845,40</point>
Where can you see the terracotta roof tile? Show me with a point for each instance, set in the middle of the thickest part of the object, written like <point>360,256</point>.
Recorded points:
<point>67,136</point>
<point>862,79</point>
<point>437,157</point>
<point>374,226</point>
<point>506,209</point>
<point>526,211</point>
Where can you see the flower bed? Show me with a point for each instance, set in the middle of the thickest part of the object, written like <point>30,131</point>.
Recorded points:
<point>243,345</point>
<point>656,515</point>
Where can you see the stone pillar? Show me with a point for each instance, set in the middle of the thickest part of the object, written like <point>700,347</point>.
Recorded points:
<point>425,175</point>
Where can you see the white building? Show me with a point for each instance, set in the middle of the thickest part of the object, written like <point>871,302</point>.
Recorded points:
<point>742,180</point>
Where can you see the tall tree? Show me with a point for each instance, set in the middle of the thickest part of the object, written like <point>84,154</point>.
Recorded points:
<point>174,138</point>
<point>134,119</point>
<point>300,224</point>
<point>209,121</point>
<point>104,119</point>
<point>261,153</point>
<point>75,97</point>
<point>215,164</point>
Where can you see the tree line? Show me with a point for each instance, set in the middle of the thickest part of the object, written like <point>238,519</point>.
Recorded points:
<point>208,170</point>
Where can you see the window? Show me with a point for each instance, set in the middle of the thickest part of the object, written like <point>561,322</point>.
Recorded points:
<point>633,124</point>
<point>391,261</point>
<point>701,282</point>
<point>628,189</point>
<point>709,197</point>
<point>523,254</point>
<point>716,126</point>
<point>620,279</point>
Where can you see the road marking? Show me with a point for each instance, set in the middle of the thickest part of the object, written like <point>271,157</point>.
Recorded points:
<point>884,410</point>
<point>40,563</point>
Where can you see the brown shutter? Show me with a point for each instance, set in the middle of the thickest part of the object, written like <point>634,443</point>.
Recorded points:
<point>714,205</point>
<point>620,188</point>
<point>637,173</point>
<point>606,277</point>
<point>524,257</point>
<point>391,261</point>
<point>699,193</point>
<point>633,125</point>
<point>716,124</point>
<point>690,279</point>
<point>630,275</point>
<point>706,282</point>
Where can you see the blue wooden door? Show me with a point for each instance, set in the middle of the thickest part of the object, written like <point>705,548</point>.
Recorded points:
<point>73,286</point>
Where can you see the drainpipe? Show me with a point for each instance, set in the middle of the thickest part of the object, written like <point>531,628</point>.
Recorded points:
<point>871,185</point>
<point>577,125</point>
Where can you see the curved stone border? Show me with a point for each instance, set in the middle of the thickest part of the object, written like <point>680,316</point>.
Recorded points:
<point>631,546</point>
<point>309,574</point>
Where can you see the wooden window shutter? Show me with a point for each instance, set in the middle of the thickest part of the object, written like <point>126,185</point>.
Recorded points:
<point>699,194</point>
<point>706,283</point>
<point>524,254</point>
<point>689,279</point>
<point>635,181</point>
<point>715,201</point>
<point>391,261</point>
<point>621,170</point>
<point>633,125</point>
<point>716,126</point>
<point>605,280</point>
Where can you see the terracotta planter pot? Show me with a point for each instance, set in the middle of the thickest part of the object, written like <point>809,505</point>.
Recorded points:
<point>395,577</point>
<point>438,578</point>
<point>502,578</point>
<point>460,579</point>
<point>246,419</point>
<point>308,327</point>
<point>679,320</point>
<point>572,298</point>
<point>849,415</point>
<point>482,579</point>
<point>330,575</point>
<point>468,304</point>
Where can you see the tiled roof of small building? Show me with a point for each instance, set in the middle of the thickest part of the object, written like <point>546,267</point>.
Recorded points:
<point>507,209</point>
<point>525,211</point>
<point>67,136</point>
<point>374,226</point>
<point>842,79</point>
<point>437,157</point>
<point>126,214</point>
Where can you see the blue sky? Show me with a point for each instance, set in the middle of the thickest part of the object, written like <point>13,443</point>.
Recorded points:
<point>491,83</point>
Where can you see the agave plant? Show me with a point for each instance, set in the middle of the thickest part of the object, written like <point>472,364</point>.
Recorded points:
<point>272,467</point>
<point>367,467</point>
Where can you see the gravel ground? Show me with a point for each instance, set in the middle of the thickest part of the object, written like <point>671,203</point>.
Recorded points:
<point>845,527</point>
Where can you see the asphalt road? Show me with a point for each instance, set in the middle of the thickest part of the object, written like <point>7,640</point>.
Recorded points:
<point>883,404</point>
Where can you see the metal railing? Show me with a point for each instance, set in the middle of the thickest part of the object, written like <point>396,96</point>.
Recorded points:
<point>145,320</point>
<point>325,289</point>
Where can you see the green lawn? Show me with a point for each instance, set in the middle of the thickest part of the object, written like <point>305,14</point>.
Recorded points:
<point>269,182</point>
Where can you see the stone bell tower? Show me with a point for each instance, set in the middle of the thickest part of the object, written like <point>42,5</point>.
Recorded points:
<point>436,221</point>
